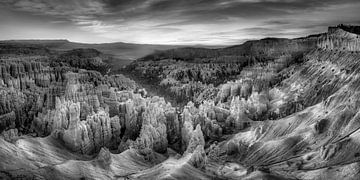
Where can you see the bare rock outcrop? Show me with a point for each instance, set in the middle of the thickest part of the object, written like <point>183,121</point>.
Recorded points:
<point>10,135</point>
<point>273,108</point>
<point>87,137</point>
<point>153,133</point>
<point>341,38</point>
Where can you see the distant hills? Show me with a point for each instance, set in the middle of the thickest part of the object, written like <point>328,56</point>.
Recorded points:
<point>124,51</point>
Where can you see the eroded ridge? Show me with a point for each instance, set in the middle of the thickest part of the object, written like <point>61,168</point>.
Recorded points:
<point>271,109</point>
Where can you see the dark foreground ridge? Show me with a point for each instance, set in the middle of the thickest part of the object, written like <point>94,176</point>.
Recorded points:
<point>266,109</point>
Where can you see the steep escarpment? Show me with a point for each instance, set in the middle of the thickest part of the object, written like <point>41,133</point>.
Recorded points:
<point>316,139</point>
<point>341,37</point>
<point>305,144</point>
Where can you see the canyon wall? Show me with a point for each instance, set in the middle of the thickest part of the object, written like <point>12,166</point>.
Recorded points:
<point>267,109</point>
<point>338,38</point>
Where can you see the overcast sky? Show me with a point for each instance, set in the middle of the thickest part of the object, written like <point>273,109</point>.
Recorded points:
<point>209,22</point>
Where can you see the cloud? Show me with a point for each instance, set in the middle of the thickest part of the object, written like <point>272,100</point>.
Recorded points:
<point>60,8</point>
<point>184,21</point>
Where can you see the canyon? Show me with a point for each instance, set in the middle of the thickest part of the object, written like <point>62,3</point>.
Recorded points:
<point>266,109</point>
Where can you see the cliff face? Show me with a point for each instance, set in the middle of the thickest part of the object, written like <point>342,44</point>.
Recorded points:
<point>317,125</point>
<point>341,38</point>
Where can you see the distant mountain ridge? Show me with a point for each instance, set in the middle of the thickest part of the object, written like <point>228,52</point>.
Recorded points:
<point>125,51</point>
<point>121,53</point>
<point>121,50</point>
<point>346,36</point>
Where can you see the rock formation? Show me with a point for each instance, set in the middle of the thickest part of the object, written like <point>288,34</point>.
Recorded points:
<point>341,38</point>
<point>271,109</point>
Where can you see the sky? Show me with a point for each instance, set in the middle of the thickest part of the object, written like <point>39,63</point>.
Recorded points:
<point>187,22</point>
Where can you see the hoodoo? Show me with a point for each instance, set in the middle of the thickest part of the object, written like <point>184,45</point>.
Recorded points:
<point>266,109</point>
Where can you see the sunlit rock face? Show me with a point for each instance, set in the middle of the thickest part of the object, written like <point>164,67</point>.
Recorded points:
<point>318,133</point>
<point>289,111</point>
<point>29,88</point>
<point>341,37</point>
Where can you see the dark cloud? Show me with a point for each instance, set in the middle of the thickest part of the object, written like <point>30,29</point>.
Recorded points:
<point>178,21</point>
<point>277,22</point>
